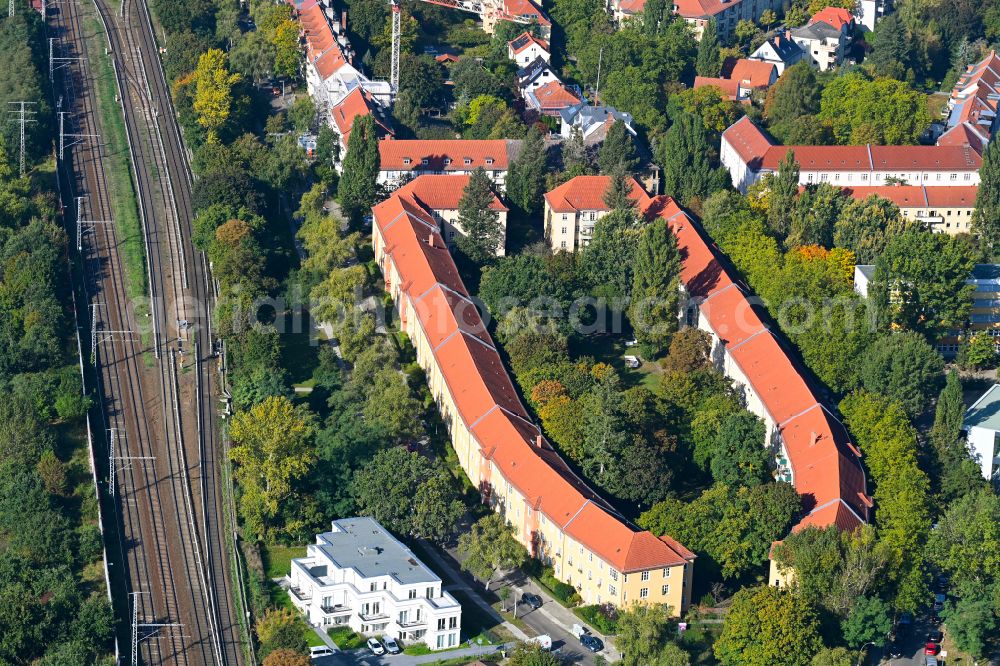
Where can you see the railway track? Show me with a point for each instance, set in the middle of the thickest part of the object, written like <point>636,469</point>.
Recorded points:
<point>169,508</point>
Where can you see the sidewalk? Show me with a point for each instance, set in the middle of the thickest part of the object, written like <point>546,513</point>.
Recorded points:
<point>460,584</point>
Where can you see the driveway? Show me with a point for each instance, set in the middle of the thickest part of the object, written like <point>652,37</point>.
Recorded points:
<point>363,657</point>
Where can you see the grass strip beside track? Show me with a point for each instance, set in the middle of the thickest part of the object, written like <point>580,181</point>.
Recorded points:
<point>123,193</point>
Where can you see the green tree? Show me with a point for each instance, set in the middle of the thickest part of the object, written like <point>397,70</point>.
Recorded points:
<point>618,150</point>
<point>891,51</point>
<point>526,179</point>
<point>966,543</point>
<point>302,113</point>
<point>709,60</point>
<point>838,656</point>
<point>870,621</point>
<point>489,547</point>
<point>529,653</point>
<point>607,262</point>
<point>281,629</point>
<point>272,449</point>
<point>655,293</point>
<point>986,216</point>
<point>814,214</point>
<point>481,235</point>
<point>972,623</point>
<point>408,494</point>
<point>797,93</point>
<point>767,625</point>
<point>359,183</point>
<point>739,458</point>
<point>977,352</point>
<point>686,155</point>
<point>920,283</point>
<point>784,188</point>
<point>879,111</point>
<point>644,633</point>
<point>865,226</point>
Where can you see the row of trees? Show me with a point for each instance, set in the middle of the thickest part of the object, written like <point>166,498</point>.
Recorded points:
<point>53,603</point>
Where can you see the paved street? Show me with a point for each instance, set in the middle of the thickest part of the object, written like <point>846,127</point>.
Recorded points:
<point>363,657</point>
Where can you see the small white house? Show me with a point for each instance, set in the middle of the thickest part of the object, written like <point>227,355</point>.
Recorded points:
<point>526,47</point>
<point>982,427</point>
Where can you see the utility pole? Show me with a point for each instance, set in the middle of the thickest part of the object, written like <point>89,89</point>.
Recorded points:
<point>113,460</point>
<point>53,60</point>
<point>597,91</point>
<point>104,335</point>
<point>81,222</point>
<point>23,117</point>
<point>396,38</point>
<point>136,626</point>
<point>74,138</point>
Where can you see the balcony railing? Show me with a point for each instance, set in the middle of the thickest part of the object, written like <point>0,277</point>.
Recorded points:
<point>413,623</point>
<point>369,617</point>
<point>336,609</point>
<point>299,594</point>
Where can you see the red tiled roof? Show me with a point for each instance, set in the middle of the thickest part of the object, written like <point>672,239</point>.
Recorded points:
<point>756,73</point>
<point>587,193</point>
<point>322,49</point>
<point>834,16</point>
<point>355,104</point>
<point>916,196</point>
<point>554,96</point>
<point>525,40</point>
<point>691,9</point>
<point>395,152</point>
<point>441,191</point>
<point>631,6</point>
<point>526,9</point>
<point>964,134</point>
<point>486,399</point>
<point>825,467</point>
<point>818,158</point>
<point>446,58</point>
<point>931,158</point>
<point>748,140</point>
<point>730,87</point>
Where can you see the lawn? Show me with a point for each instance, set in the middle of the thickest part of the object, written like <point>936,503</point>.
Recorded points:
<point>346,638</point>
<point>278,559</point>
<point>282,600</point>
<point>611,349</point>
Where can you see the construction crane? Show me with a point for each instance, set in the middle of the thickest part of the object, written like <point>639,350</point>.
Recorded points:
<point>396,37</point>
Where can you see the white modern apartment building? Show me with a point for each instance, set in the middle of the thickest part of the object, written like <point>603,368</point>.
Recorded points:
<point>982,426</point>
<point>359,575</point>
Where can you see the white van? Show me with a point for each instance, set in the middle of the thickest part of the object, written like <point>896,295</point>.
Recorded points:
<point>321,651</point>
<point>543,640</point>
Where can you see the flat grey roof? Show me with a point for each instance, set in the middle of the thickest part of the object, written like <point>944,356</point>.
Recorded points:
<point>361,543</point>
<point>986,272</point>
<point>986,412</point>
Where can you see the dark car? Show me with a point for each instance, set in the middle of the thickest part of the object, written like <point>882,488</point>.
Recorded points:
<point>893,651</point>
<point>935,637</point>
<point>592,643</point>
<point>931,648</point>
<point>532,600</point>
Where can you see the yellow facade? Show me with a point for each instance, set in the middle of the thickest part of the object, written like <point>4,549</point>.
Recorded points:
<point>596,581</point>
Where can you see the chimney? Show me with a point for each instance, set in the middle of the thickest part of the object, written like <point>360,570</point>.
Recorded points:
<point>343,20</point>
<point>538,441</point>
<point>814,439</point>
<point>430,239</point>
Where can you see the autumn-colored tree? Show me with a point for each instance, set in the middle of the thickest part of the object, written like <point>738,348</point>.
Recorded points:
<point>280,630</point>
<point>285,657</point>
<point>272,448</point>
<point>213,97</point>
<point>52,472</point>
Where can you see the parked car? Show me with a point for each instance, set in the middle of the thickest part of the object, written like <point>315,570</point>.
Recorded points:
<point>320,651</point>
<point>375,647</point>
<point>391,646</point>
<point>592,643</point>
<point>544,640</point>
<point>931,648</point>
<point>939,600</point>
<point>905,619</point>
<point>632,361</point>
<point>935,637</point>
<point>533,600</point>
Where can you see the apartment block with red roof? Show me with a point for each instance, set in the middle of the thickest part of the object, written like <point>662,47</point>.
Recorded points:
<point>811,448</point>
<point>748,153</point>
<point>573,208</point>
<point>555,515</point>
<point>946,210</point>
<point>353,106</point>
<point>826,38</point>
<point>727,13</point>
<point>404,160</point>
<point>439,196</point>
<point>973,105</point>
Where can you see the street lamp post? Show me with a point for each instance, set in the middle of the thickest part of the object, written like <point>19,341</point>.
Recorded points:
<point>861,651</point>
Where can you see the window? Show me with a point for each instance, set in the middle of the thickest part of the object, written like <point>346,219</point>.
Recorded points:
<point>406,160</point>
<point>413,594</point>
<point>809,177</point>
<point>562,245</point>
<point>564,229</point>
<point>424,162</point>
<point>864,176</point>
<point>644,576</point>
<point>440,624</point>
<point>430,592</point>
<point>824,177</point>
<point>666,573</point>
<point>614,574</point>
<point>954,176</point>
<point>968,176</point>
<point>643,593</point>
<point>468,161</point>
<point>440,642</point>
<point>489,161</point>
<point>612,590</point>
<point>372,587</point>
<point>451,640</point>
<point>453,622</point>
<point>447,161</point>
<point>666,590</point>
<point>565,217</point>
<point>590,557</point>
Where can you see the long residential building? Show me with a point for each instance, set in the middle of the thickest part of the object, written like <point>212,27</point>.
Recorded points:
<point>359,575</point>
<point>810,446</point>
<point>555,515</point>
<point>946,210</point>
<point>749,153</point>
<point>404,159</point>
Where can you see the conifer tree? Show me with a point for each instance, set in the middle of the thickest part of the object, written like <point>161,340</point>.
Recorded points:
<point>482,235</point>
<point>526,180</point>
<point>685,155</point>
<point>784,188</point>
<point>655,287</point>
<point>617,149</point>
<point>986,218</point>
<point>709,60</point>
<point>359,184</point>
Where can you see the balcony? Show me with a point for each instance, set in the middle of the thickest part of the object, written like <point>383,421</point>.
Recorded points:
<point>412,623</point>
<point>299,594</point>
<point>371,617</point>
<point>336,609</point>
